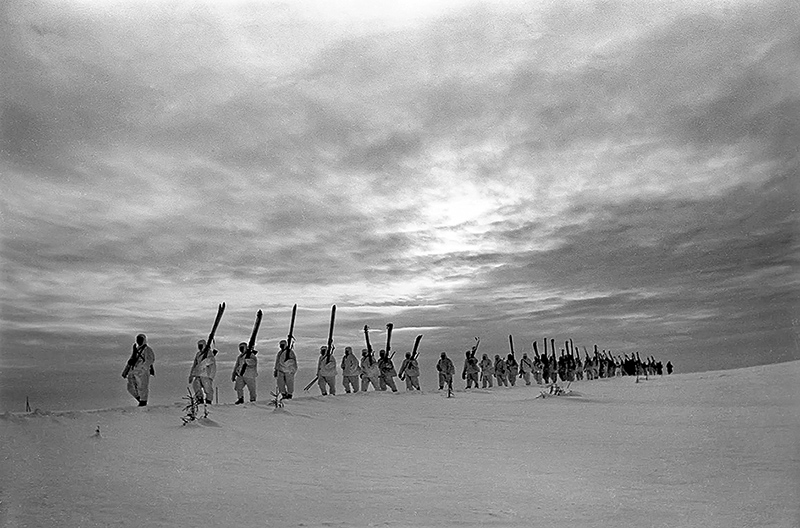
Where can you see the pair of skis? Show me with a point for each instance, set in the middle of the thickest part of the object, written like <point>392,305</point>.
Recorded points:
<point>252,343</point>
<point>207,347</point>
<point>370,351</point>
<point>250,350</point>
<point>330,347</point>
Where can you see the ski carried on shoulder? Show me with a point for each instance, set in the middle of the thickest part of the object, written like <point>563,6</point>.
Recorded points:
<point>414,352</point>
<point>330,346</point>
<point>389,327</point>
<point>290,337</point>
<point>475,347</point>
<point>207,348</point>
<point>252,343</point>
<point>370,351</point>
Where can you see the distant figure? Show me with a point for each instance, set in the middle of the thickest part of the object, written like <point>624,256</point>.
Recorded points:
<point>387,372</point>
<point>350,371</point>
<point>669,367</point>
<point>446,370</point>
<point>500,373</point>
<point>525,368</point>
<point>326,372</point>
<point>409,371</point>
<point>487,370</point>
<point>370,373</point>
<point>471,370</point>
<point>248,377</point>
<point>512,369</point>
<point>204,368</point>
<point>139,369</point>
<point>285,369</point>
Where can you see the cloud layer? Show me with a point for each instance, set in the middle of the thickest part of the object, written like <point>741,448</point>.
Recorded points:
<point>619,174</point>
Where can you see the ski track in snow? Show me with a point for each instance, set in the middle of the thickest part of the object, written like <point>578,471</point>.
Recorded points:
<point>713,449</point>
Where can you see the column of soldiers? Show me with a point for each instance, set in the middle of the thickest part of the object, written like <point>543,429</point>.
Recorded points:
<point>504,371</point>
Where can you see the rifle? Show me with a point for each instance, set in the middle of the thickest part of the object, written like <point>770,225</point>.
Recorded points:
<point>252,343</point>
<point>136,355</point>
<point>290,337</point>
<point>389,327</point>
<point>511,345</point>
<point>416,346</point>
<point>535,350</point>
<point>207,347</point>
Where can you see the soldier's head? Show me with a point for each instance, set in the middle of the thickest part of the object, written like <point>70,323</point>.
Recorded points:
<point>497,356</point>
<point>283,344</point>
<point>323,350</point>
<point>525,356</point>
<point>485,356</point>
<point>364,352</point>
<point>141,339</point>
<point>408,355</point>
<point>467,353</point>
<point>382,353</point>
<point>242,346</point>
<point>200,344</point>
<point>443,355</point>
<point>348,350</point>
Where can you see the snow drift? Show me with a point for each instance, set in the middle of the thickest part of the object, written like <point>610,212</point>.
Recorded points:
<point>704,449</point>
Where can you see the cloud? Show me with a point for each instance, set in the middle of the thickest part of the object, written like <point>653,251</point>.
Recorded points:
<point>613,171</point>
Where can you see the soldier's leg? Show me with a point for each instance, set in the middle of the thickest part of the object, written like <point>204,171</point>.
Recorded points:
<point>251,388</point>
<point>354,383</point>
<point>281,381</point>
<point>390,383</point>
<point>331,381</point>
<point>289,378</point>
<point>133,387</point>
<point>322,385</point>
<point>238,386</point>
<point>208,387</point>
<point>143,383</point>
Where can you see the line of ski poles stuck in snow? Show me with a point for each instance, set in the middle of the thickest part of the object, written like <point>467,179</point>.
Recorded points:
<point>545,368</point>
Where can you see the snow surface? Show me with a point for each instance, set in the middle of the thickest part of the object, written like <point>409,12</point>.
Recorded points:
<point>703,449</point>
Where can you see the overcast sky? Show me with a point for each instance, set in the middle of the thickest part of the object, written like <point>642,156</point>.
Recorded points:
<point>621,173</point>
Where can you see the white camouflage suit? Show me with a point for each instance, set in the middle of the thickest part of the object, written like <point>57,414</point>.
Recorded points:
<point>138,373</point>
<point>203,372</point>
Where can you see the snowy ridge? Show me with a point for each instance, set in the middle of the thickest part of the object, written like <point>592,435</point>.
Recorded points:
<point>700,449</point>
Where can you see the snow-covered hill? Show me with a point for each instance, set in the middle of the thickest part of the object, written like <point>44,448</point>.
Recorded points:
<point>712,449</point>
